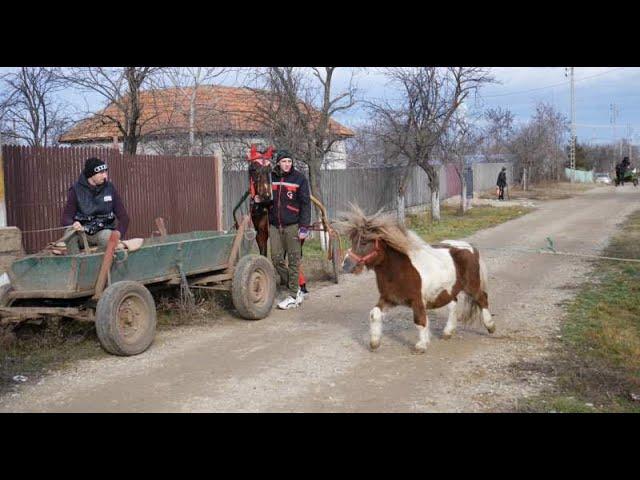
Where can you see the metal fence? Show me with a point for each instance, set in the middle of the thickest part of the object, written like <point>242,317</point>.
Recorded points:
<point>372,188</point>
<point>182,190</point>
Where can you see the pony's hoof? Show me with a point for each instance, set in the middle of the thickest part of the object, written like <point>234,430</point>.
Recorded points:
<point>419,350</point>
<point>447,336</point>
<point>374,344</point>
<point>491,329</point>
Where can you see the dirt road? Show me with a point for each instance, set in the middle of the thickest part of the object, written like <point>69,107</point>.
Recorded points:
<point>316,358</point>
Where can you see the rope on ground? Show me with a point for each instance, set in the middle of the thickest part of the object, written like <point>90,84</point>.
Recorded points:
<point>551,250</point>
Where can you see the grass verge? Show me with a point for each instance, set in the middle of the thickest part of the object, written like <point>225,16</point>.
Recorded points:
<point>597,363</point>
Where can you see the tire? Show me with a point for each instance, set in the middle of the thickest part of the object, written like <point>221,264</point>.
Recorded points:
<point>335,259</point>
<point>253,288</point>
<point>126,318</point>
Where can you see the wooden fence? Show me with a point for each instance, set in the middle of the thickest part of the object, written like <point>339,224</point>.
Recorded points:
<point>182,190</point>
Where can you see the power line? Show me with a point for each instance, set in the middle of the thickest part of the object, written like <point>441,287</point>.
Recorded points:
<point>551,86</point>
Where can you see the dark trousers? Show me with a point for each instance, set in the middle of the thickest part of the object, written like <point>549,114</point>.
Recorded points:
<point>501,192</point>
<point>286,242</point>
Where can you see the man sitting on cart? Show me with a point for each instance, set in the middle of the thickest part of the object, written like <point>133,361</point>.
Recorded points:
<point>93,205</point>
<point>289,220</point>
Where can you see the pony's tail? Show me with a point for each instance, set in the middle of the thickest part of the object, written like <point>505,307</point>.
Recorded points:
<point>468,311</point>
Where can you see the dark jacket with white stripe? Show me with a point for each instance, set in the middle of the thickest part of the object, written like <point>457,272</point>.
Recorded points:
<point>291,199</point>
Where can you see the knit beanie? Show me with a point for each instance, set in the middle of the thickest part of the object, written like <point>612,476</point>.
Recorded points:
<point>92,166</point>
<point>280,154</point>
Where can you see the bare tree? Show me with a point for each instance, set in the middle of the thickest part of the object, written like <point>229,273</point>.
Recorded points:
<point>188,80</point>
<point>539,145</point>
<point>429,97</point>
<point>457,142</point>
<point>121,87</point>
<point>297,108</point>
<point>31,108</point>
<point>497,132</point>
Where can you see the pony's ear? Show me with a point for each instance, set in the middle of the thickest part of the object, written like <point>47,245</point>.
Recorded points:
<point>253,153</point>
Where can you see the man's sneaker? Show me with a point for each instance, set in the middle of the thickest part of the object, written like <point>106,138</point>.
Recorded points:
<point>299,296</point>
<point>288,303</point>
<point>303,289</point>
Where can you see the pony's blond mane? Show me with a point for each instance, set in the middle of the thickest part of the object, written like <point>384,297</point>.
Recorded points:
<point>382,226</point>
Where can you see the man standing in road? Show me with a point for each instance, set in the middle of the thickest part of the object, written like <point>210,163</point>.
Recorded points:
<point>289,220</point>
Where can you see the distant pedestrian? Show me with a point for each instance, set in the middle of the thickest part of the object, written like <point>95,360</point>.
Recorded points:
<point>502,183</point>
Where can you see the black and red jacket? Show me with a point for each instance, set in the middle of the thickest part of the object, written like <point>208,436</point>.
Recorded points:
<point>291,199</point>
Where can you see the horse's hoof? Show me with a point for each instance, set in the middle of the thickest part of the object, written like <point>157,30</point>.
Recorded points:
<point>491,329</point>
<point>447,336</point>
<point>374,344</point>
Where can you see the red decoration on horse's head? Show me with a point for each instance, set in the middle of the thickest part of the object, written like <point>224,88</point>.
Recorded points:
<point>262,158</point>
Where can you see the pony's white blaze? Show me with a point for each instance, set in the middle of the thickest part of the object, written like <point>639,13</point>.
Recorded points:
<point>435,267</point>
<point>458,244</point>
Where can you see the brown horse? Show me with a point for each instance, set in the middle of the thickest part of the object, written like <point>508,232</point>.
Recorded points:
<point>411,273</point>
<point>261,194</point>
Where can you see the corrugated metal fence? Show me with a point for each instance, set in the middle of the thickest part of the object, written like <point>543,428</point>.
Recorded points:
<point>182,190</point>
<point>371,188</point>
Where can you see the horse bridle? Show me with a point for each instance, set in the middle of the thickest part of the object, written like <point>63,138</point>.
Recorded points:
<point>372,254</point>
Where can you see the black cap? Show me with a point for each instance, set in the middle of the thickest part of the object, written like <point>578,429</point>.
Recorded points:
<point>280,154</point>
<point>92,166</point>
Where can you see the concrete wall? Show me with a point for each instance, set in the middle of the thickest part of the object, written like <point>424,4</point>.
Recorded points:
<point>485,175</point>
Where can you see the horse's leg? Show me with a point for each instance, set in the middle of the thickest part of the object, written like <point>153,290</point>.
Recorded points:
<point>375,323</point>
<point>260,222</point>
<point>452,321</point>
<point>483,302</point>
<point>422,322</point>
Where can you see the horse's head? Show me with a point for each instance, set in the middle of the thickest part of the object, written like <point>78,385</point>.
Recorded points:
<point>370,237</point>
<point>260,174</point>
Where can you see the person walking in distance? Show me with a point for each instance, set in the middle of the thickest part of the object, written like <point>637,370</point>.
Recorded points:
<point>502,183</point>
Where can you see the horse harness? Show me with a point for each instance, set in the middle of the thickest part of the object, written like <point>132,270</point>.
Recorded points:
<point>364,259</point>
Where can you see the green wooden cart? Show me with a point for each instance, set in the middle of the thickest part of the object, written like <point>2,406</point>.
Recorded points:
<point>110,287</point>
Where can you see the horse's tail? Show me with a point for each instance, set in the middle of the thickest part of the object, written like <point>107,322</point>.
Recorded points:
<point>468,311</point>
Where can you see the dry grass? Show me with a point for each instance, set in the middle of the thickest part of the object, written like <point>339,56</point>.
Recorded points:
<point>453,225</point>
<point>49,345</point>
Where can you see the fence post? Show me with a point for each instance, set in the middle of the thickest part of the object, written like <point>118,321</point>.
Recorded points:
<point>217,162</point>
<point>3,206</point>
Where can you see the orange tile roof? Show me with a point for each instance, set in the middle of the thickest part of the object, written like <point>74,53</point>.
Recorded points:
<point>218,108</point>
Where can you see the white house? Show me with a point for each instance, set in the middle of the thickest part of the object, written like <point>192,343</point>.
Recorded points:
<point>225,124</point>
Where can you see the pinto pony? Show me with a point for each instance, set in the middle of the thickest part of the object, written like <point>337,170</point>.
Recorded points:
<point>411,273</point>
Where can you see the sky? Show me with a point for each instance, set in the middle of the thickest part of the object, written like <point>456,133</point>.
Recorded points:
<point>517,89</point>
<point>520,88</point>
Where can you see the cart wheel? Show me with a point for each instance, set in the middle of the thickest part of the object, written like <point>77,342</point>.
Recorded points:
<point>253,287</point>
<point>335,259</point>
<point>126,318</point>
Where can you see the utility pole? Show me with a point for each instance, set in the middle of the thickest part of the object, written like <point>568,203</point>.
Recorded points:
<point>572,145</point>
<point>614,115</point>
